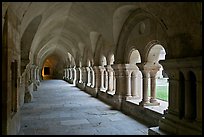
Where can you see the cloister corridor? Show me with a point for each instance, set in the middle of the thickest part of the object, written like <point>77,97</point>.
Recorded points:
<point>95,68</point>
<point>59,108</point>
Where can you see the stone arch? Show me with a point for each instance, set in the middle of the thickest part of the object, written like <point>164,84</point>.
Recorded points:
<point>134,57</point>
<point>88,62</point>
<point>152,49</point>
<point>153,54</point>
<point>135,77</point>
<point>27,39</point>
<point>71,59</point>
<point>110,59</point>
<point>103,61</point>
<point>134,18</point>
<point>89,72</point>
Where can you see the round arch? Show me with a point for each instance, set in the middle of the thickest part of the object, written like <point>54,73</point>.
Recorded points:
<point>155,51</point>
<point>134,18</point>
<point>134,57</point>
<point>111,59</point>
<point>103,61</point>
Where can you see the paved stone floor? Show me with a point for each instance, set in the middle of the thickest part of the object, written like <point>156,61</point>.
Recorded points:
<point>58,108</point>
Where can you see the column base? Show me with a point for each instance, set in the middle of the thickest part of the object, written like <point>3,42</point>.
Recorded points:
<point>103,89</point>
<point>35,87</point>
<point>88,84</point>
<point>133,97</point>
<point>117,100</point>
<point>28,97</point>
<point>154,102</point>
<point>128,97</point>
<point>147,103</point>
<point>38,82</point>
<point>143,103</point>
<point>112,92</point>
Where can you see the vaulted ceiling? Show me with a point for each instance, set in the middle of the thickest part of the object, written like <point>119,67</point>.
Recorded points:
<point>59,28</point>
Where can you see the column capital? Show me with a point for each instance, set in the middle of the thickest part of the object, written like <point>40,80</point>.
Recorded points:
<point>101,68</point>
<point>124,69</point>
<point>87,68</point>
<point>109,68</point>
<point>154,71</point>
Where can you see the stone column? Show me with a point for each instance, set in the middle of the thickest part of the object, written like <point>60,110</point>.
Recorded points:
<point>35,86</point>
<point>80,75</point>
<point>64,74</point>
<point>84,76</point>
<point>119,86</point>
<point>38,76</point>
<point>74,75</point>
<point>102,69</point>
<point>128,85</point>
<point>77,75</point>
<point>110,78</point>
<point>68,73</point>
<point>153,73</point>
<point>97,77</point>
<point>92,77</point>
<point>123,81</point>
<point>145,100</point>
<point>105,79</point>
<point>28,87</point>
<point>88,76</point>
<point>134,85</point>
<point>65,71</point>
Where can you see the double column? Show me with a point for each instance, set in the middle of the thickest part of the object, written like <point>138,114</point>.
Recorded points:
<point>35,77</point>
<point>124,85</point>
<point>97,78</point>
<point>78,75</point>
<point>103,78</point>
<point>149,72</point>
<point>111,79</point>
<point>88,78</point>
<point>28,85</point>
